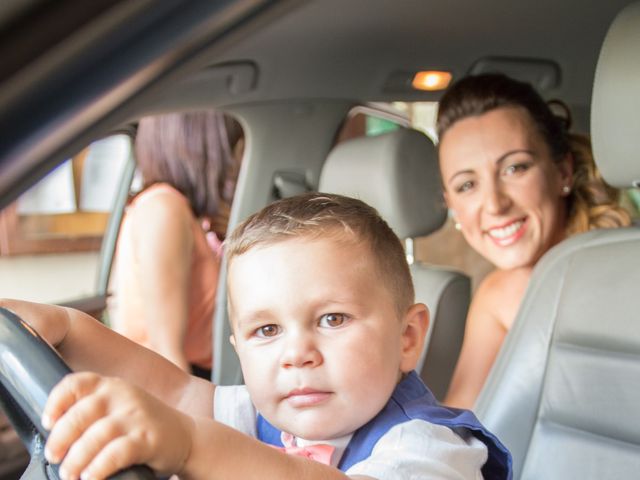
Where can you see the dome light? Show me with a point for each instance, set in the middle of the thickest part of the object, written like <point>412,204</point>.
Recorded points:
<point>431,80</point>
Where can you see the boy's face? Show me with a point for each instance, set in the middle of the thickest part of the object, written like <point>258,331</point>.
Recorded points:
<point>318,334</point>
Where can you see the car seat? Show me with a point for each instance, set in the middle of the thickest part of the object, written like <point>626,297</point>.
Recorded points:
<point>564,393</point>
<point>397,173</point>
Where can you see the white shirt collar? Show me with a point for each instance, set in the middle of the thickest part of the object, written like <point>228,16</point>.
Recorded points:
<point>340,444</point>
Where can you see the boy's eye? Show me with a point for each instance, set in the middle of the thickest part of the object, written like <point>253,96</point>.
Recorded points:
<point>332,320</point>
<point>268,331</point>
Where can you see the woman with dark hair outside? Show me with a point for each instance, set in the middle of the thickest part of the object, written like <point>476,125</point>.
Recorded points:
<point>517,182</point>
<point>168,250</point>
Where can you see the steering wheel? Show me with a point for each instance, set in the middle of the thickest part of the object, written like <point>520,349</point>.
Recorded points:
<point>29,369</point>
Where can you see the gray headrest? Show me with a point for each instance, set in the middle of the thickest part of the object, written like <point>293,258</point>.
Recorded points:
<point>615,106</point>
<point>396,173</point>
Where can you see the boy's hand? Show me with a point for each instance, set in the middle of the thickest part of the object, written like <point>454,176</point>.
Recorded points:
<point>100,425</point>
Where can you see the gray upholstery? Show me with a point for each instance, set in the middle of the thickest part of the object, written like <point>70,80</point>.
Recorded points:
<point>447,293</point>
<point>397,173</point>
<point>615,121</point>
<point>564,393</point>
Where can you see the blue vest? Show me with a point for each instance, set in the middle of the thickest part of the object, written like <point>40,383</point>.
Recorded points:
<point>411,400</point>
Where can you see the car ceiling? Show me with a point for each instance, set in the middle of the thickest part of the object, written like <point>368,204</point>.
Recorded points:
<point>347,50</point>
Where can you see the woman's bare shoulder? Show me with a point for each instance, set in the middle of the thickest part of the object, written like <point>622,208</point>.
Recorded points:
<point>160,197</point>
<point>505,278</point>
<point>162,207</point>
<point>501,293</point>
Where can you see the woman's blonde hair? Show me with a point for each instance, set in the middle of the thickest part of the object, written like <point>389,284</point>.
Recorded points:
<point>592,203</point>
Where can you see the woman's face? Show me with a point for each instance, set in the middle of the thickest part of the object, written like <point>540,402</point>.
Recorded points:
<point>503,186</point>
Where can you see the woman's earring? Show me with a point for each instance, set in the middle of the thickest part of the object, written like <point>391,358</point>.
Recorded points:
<point>452,215</point>
<point>566,189</point>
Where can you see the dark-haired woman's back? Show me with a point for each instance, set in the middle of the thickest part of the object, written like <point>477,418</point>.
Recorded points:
<point>168,252</point>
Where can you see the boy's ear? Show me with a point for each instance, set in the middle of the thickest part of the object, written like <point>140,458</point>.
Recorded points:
<point>416,324</point>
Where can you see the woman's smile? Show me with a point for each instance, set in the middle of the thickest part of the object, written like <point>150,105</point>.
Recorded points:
<point>508,234</point>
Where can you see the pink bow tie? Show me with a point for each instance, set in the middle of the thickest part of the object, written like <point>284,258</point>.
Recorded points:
<point>320,452</point>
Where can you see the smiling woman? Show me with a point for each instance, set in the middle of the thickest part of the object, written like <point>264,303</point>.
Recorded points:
<point>517,183</point>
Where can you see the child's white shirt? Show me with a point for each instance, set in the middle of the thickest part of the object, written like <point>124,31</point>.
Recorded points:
<point>412,450</point>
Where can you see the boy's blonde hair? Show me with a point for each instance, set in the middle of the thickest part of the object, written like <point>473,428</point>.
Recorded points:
<point>317,215</point>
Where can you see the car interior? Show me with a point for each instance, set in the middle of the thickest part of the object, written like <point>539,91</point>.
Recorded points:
<point>397,173</point>
<point>564,392</point>
<point>311,82</point>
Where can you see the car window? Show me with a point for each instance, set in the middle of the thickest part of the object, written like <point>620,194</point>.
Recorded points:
<point>370,120</point>
<point>630,199</point>
<point>421,115</point>
<point>52,235</point>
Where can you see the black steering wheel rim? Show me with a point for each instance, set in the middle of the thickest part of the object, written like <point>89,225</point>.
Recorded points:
<point>29,369</point>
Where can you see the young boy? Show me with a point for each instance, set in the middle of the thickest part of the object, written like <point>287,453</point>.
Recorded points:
<point>323,320</point>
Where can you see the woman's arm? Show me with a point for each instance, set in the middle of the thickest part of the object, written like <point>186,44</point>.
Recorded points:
<point>86,344</point>
<point>163,245</point>
<point>491,315</point>
<point>483,336</point>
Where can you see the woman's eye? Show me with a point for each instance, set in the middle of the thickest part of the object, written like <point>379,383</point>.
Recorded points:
<point>268,331</point>
<point>333,320</point>
<point>516,168</point>
<point>465,187</point>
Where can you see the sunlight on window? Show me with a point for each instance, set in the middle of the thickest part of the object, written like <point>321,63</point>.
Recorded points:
<point>422,116</point>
